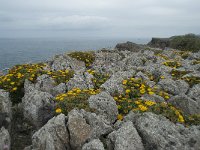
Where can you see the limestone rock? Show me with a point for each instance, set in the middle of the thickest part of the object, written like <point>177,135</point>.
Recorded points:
<point>36,103</point>
<point>115,82</point>
<point>95,144</point>
<point>186,104</point>
<point>45,83</point>
<point>105,106</point>
<point>62,62</point>
<point>78,129</point>
<point>99,126</point>
<point>5,142</point>
<point>157,132</point>
<point>52,136</point>
<point>80,80</point>
<point>174,87</point>
<point>126,138</point>
<point>194,92</point>
<point>5,109</point>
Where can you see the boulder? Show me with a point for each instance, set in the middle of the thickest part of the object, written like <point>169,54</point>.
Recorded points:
<point>99,126</point>
<point>5,142</point>
<point>157,132</point>
<point>126,138</point>
<point>174,87</point>
<point>80,80</point>
<point>104,105</point>
<point>38,107</point>
<point>186,104</point>
<point>46,84</point>
<point>52,136</point>
<point>194,93</point>
<point>95,144</point>
<point>63,62</point>
<point>114,83</point>
<point>79,129</point>
<point>5,109</point>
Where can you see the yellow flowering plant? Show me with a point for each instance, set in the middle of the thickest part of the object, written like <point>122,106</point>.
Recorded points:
<point>61,76</point>
<point>87,57</point>
<point>172,63</point>
<point>99,78</point>
<point>75,98</point>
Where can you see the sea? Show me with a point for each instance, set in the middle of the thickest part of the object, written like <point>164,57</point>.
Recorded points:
<point>33,50</point>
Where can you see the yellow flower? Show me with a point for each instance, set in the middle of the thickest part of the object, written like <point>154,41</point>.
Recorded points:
<point>180,119</point>
<point>124,82</point>
<point>31,79</point>
<point>8,80</point>
<point>142,108</point>
<point>119,106</point>
<point>151,93</point>
<point>142,91</point>
<point>119,117</point>
<point>14,89</point>
<point>61,98</point>
<point>12,83</point>
<point>128,91</point>
<point>149,103</point>
<point>58,110</point>
<point>115,98</point>
<point>167,97</point>
<point>162,77</point>
<point>137,102</point>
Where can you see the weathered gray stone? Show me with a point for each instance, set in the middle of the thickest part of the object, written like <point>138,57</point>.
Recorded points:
<point>186,104</point>
<point>194,93</point>
<point>45,83</point>
<point>174,87</point>
<point>154,97</point>
<point>62,62</point>
<point>80,80</point>
<point>95,144</point>
<point>78,128</point>
<point>52,136</point>
<point>5,110</point>
<point>159,133</point>
<point>98,125</point>
<point>5,142</point>
<point>126,138</point>
<point>115,82</point>
<point>105,106</point>
<point>5,103</point>
<point>61,88</point>
<point>34,102</point>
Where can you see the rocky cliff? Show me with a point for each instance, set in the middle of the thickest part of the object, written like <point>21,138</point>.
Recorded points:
<point>130,98</point>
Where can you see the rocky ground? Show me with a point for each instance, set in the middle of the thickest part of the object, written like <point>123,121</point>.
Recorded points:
<point>133,97</point>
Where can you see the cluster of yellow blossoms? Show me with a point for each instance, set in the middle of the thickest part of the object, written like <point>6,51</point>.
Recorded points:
<point>87,57</point>
<point>172,63</point>
<point>61,76</point>
<point>17,75</point>
<point>75,98</point>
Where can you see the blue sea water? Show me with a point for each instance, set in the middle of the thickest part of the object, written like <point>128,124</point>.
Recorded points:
<point>19,51</point>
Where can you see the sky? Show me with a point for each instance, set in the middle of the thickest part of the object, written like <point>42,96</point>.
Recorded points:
<point>98,18</point>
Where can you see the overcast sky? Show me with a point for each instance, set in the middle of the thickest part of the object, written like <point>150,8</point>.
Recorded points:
<point>98,18</point>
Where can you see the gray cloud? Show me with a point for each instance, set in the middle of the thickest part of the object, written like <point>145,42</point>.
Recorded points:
<point>100,18</point>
